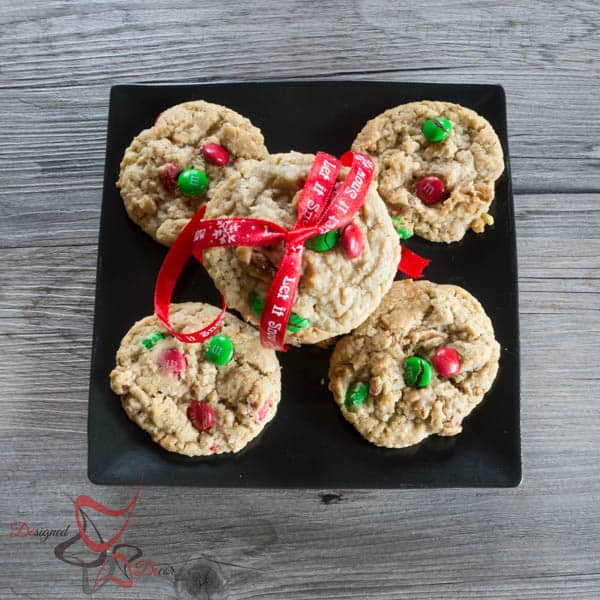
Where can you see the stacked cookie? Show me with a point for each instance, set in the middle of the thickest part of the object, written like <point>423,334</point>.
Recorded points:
<point>416,358</point>
<point>337,291</point>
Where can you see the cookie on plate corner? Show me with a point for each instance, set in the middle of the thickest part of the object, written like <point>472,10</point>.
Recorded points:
<point>345,274</point>
<point>418,366</point>
<point>197,399</point>
<point>437,164</point>
<point>169,170</point>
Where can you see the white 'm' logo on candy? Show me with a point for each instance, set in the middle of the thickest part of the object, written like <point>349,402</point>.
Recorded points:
<point>428,188</point>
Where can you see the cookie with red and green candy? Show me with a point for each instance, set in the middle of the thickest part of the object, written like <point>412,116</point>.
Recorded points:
<point>169,170</point>
<point>197,399</point>
<point>418,366</point>
<point>345,272</point>
<point>437,164</point>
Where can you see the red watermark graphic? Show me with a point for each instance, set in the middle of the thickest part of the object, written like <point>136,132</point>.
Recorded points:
<point>102,559</point>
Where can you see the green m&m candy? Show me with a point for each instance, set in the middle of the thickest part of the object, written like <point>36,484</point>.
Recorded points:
<point>417,371</point>
<point>323,241</point>
<point>437,130</point>
<point>356,395</point>
<point>192,182</point>
<point>219,350</point>
<point>403,228</point>
<point>152,340</point>
<point>257,303</point>
<point>295,323</point>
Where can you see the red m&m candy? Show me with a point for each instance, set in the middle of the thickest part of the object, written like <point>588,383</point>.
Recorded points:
<point>430,190</point>
<point>200,414</point>
<point>172,362</point>
<point>352,241</point>
<point>215,154</point>
<point>446,361</point>
<point>169,176</point>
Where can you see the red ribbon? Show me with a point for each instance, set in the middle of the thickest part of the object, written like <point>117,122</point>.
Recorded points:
<point>319,211</point>
<point>412,264</point>
<point>175,261</point>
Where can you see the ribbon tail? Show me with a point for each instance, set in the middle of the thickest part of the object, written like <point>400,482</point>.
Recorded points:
<point>280,298</point>
<point>411,264</point>
<point>350,195</point>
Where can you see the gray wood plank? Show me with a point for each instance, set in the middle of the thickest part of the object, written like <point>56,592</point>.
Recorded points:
<point>540,541</point>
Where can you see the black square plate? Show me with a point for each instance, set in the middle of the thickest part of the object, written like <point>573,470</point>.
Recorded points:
<point>308,444</point>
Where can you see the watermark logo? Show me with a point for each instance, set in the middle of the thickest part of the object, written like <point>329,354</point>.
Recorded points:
<point>22,529</point>
<point>109,557</point>
<point>102,559</point>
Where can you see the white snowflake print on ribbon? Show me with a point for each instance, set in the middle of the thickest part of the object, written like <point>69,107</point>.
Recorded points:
<point>225,232</point>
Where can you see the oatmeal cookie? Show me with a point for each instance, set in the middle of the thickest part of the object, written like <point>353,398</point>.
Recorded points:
<point>337,291</point>
<point>461,167</point>
<point>197,399</point>
<point>418,366</point>
<point>193,135</point>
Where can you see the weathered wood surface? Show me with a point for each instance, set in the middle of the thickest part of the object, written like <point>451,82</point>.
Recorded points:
<point>542,540</point>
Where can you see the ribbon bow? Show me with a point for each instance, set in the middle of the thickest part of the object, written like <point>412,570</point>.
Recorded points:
<point>321,208</point>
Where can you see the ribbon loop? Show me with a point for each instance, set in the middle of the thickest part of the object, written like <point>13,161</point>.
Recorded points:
<point>317,189</point>
<point>176,259</point>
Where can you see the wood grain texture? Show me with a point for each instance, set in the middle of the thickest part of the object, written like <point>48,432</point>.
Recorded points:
<point>540,541</point>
